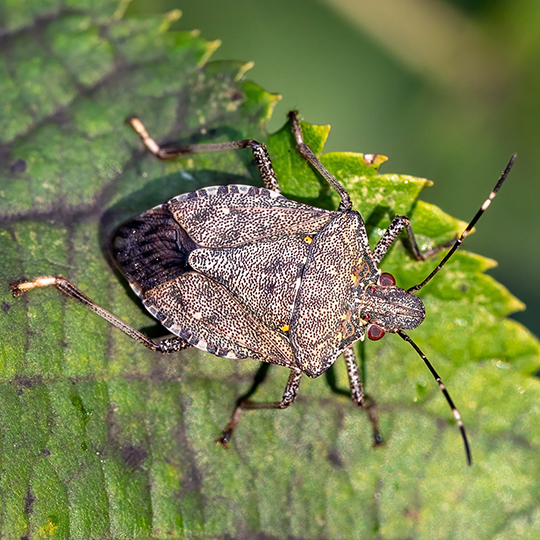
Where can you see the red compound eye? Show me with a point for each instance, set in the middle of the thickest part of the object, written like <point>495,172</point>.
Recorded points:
<point>375,332</point>
<point>387,280</point>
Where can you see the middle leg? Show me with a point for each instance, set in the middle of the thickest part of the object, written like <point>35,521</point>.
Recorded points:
<point>305,151</point>
<point>289,395</point>
<point>357,394</point>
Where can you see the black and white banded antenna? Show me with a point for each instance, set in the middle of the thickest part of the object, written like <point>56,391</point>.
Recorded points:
<point>416,288</point>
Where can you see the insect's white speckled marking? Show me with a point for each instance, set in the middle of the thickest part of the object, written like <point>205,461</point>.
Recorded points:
<point>148,141</point>
<point>201,343</point>
<point>38,282</point>
<point>213,190</point>
<point>138,292</point>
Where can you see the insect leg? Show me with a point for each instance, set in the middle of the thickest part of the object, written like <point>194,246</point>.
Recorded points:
<point>164,346</point>
<point>262,159</point>
<point>289,395</point>
<point>311,158</point>
<point>389,237</point>
<point>400,222</point>
<point>358,396</point>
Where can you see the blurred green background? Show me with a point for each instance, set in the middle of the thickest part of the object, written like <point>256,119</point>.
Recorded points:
<point>448,90</point>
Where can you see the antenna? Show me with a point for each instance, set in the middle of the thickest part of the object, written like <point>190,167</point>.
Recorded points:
<point>455,412</point>
<point>469,228</point>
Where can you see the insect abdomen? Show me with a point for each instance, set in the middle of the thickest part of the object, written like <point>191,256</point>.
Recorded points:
<point>152,248</point>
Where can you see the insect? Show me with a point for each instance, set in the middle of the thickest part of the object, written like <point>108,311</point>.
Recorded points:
<point>243,272</point>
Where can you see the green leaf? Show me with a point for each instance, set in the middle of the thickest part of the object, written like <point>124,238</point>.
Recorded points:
<point>100,438</point>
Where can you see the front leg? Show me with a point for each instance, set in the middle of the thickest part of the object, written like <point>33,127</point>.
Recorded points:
<point>389,237</point>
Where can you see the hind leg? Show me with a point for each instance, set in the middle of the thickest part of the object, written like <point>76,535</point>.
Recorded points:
<point>164,346</point>
<point>262,159</point>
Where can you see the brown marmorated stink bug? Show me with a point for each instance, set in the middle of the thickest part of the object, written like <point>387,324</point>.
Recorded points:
<point>243,272</point>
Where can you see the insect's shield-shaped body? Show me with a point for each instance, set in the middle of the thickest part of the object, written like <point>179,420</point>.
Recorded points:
<point>243,272</point>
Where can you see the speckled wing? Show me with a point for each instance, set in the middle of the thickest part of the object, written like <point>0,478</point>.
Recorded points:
<point>209,317</point>
<point>324,322</point>
<point>265,275</point>
<point>229,216</point>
